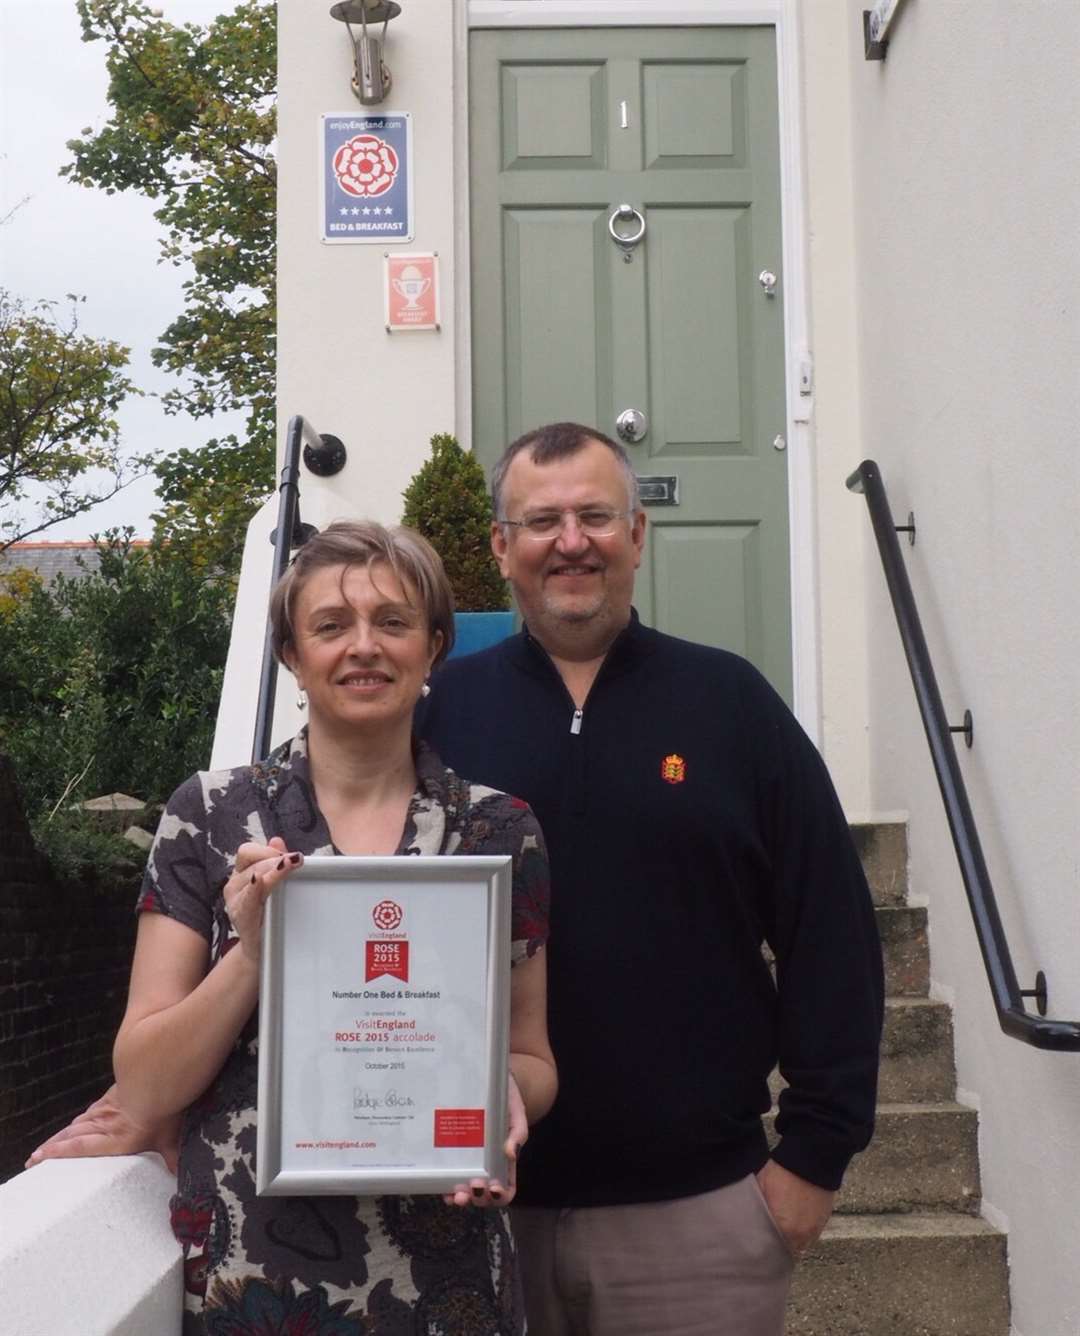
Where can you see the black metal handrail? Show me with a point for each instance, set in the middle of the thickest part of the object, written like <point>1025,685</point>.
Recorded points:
<point>324,455</point>
<point>1013,1017</point>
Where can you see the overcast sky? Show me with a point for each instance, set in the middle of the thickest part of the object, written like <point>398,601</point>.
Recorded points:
<point>67,238</point>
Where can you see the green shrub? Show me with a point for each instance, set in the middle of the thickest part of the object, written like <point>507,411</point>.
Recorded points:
<point>447,501</point>
<point>111,682</point>
<point>80,850</point>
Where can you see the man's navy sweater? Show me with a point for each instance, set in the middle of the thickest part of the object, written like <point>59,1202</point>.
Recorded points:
<point>688,819</point>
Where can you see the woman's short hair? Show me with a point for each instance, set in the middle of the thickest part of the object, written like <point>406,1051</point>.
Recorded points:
<point>363,543</point>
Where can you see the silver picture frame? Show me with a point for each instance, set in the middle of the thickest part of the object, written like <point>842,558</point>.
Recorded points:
<point>384,1026</point>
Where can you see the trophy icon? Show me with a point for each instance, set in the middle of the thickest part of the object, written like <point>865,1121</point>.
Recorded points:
<point>411,285</point>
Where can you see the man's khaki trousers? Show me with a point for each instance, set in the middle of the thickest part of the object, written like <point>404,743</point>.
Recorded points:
<point>709,1265</point>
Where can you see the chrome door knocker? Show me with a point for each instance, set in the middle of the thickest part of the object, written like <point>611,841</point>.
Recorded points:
<point>626,241</point>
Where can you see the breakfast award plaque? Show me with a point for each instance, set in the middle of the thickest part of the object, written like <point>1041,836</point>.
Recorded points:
<point>384,1026</point>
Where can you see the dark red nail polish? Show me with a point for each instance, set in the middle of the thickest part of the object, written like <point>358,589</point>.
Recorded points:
<point>295,858</point>
<point>253,878</point>
<point>281,865</point>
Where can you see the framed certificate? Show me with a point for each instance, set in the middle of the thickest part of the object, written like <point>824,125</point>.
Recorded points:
<point>384,1026</point>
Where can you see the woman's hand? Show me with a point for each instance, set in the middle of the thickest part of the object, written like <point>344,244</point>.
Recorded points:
<point>259,868</point>
<point>183,1014</point>
<point>533,1081</point>
<point>106,1128</point>
<point>492,1192</point>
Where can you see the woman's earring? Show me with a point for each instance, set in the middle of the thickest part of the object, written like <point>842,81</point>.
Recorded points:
<point>301,699</point>
<point>425,690</point>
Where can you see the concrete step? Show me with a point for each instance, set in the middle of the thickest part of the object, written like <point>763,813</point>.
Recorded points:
<point>882,848</point>
<point>902,1275</point>
<point>924,1157</point>
<point>906,950</point>
<point>917,1064</point>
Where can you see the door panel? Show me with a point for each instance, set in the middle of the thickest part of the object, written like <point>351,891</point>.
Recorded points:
<point>729,552</point>
<point>564,327</point>
<point>692,114</point>
<point>556,344</point>
<point>694,255</point>
<point>553,116</point>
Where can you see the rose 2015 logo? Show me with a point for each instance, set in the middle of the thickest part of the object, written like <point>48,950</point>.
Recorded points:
<point>673,769</point>
<point>381,957</point>
<point>387,915</point>
<point>365,166</point>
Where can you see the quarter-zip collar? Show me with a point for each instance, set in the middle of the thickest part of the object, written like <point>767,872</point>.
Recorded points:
<point>634,642</point>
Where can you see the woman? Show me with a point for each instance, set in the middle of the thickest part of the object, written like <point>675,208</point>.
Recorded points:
<point>361,618</point>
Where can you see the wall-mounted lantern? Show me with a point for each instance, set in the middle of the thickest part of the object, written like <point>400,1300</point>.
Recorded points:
<point>371,78</point>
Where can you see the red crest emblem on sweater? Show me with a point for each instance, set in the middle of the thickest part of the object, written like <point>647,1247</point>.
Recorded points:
<point>673,769</point>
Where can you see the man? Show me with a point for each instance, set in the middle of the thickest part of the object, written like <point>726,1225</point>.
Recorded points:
<point>688,819</point>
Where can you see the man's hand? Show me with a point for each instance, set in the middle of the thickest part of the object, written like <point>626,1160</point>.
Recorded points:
<point>801,1209</point>
<point>107,1129</point>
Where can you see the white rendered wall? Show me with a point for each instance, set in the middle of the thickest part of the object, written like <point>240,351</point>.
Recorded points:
<point>967,190</point>
<point>384,395</point>
<point>827,43</point>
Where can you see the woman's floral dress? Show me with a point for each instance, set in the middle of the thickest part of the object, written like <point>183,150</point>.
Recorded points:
<point>326,1266</point>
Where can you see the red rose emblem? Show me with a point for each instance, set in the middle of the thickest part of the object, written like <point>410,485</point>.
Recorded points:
<point>387,915</point>
<point>365,166</point>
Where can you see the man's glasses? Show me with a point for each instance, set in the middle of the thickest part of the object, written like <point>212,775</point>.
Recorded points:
<point>593,521</point>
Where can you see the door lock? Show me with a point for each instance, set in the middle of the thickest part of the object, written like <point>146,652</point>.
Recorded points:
<point>632,425</point>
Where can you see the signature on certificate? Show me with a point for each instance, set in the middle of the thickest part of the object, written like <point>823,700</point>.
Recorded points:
<point>386,1099</point>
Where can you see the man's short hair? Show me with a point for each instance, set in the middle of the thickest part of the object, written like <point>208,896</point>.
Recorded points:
<point>558,440</point>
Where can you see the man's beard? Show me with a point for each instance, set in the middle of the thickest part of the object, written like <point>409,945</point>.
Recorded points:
<point>557,609</point>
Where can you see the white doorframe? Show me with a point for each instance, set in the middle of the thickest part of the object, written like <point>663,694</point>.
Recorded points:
<point>782,15</point>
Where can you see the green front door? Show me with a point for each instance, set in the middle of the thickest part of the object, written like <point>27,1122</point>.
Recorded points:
<point>679,124</point>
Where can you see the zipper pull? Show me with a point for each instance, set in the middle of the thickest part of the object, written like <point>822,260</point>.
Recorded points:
<point>575,722</point>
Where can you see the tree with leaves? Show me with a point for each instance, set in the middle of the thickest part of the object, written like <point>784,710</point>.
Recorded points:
<point>120,691</point>
<point>192,127</point>
<point>59,393</point>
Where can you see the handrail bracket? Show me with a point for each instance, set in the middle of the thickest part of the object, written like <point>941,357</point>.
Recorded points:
<point>324,456</point>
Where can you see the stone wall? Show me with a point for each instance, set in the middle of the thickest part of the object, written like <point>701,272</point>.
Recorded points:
<point>65,954</point>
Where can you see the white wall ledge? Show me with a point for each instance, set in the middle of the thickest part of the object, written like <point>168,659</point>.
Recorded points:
<point>86,1249</point>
